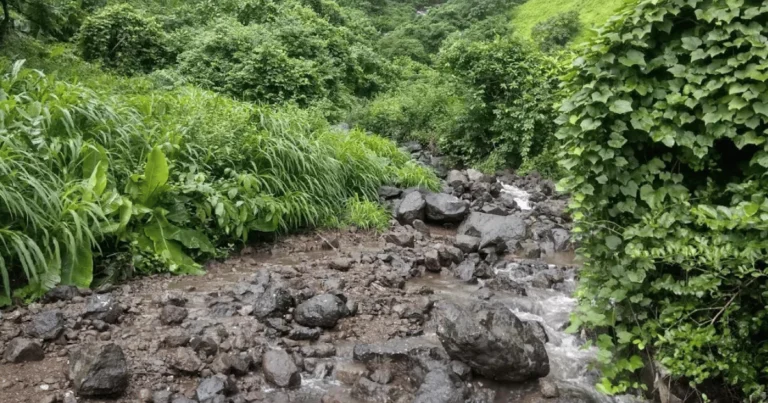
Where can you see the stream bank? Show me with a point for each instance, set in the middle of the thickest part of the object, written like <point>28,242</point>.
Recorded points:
<point>464,299</point>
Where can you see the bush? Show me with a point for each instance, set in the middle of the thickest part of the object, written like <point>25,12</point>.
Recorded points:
<point>556,31</point>
<point>163,180</point>
<point>365,214</point>
<point>665,144</point>
<point>121,38</point>
<point>511,89</point>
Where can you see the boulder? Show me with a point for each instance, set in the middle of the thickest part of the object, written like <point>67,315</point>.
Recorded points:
<point>466,271</point>
<point>103,307</point>
<point>412,146</point>
<point>23,350</point>
<point>561,238</point>
<point>280,370</point>
<point>491,340</point>
<point>444,208</point>
<point>502,233</point>
<point>99,370</point>
<point>213,386</point>
<point>322,310</point>
<point>456,179</point>
<point>173,315</point>
<point>476,176</point>
<point>467,243</point>
<point>438,387</point>
<point>304,333</point>
<point>411,208</point>
<point>60,293</point>
<point>48,325</point>
<point>389,192</point>
<point>229,364</point>
<point>275,300</point>
<point>340,264</point>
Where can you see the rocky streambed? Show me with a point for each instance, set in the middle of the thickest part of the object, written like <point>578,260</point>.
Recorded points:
<point>464,300</point>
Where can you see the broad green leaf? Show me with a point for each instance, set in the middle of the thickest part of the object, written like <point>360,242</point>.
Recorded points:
<point>77,268</point>
<point>95,166</point>
<point>612,241</point>
<point>633,58</point>
<point>155,177</point>
<point>621,106</point>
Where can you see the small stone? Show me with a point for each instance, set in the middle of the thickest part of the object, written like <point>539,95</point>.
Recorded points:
<point>319,350</point>
<point>299,332</point>
<point>145,395</point>
<point>466,243</point>
<point>106,336</point>
<point>420,226</point>
<point>204,344</point>
<point>400,238</point>
<point>382,376</point>
<point>161,396</point>
<point>349,372</point>
<point>432,261</point>
<point>23,350</point>
<point>49,399</point>
<point>217,385</point>
<point>185,360</point>
<point>340,264</point>
<point>103,307</point>
<point>172,315</point>
<point>322,310</point>
<point>548,388</point>
<point>229,364</point>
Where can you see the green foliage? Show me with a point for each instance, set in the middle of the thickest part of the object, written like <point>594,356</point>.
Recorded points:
<point>122,38</point>
<point>365,214</point>
<point>592,14</point>
<point>169,178</point>
<point>556,31</point>
<point>412,174</point>
<point>665,145</point>
<point>511,91</point>
<point>59,19</point>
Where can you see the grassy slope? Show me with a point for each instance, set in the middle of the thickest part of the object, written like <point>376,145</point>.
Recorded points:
<point>593,13</point>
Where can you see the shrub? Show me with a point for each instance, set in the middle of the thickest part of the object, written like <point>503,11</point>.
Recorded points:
<point>365,214</point>
<point>511,89</point>
<point>556,31</point>
<point>121,38</point>
<point>665,145</point>
<point>163,179</point>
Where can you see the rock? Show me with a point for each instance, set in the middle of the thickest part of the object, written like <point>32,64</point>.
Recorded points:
<point>389,192</point>
<point>172,315</point>
<point>145,395</point>
<point>280,370</point>
<point>411,208</point>
<point>185,360</point>
<point>419,225</point>
<point>529,250</point>
<point>548,388</point>
<point>438,387</point>
<point>348,372</point>
<point>418,351</point>
<point>47,325</point>
<point>491,340</point>
<point>382,376</point>
<point>467,243</point>
<point>537,329</point>
<point>175,298</point>
<point>205,344</point>
<point>161,396</point>
<point>99,370</point>
<point>456,179</point>
<point>466,271</point>
<point>182,399</point>
<point>561,238</point>
<point>400,238</point>
<point>175,338</point>
<point>60,293</point>
<point>444,208</point>
<point>461,369</point>
<point>369,391</point>
<point>213,386</point>
<point>340,264</point>
<point>494,231</point>
<point>322,310</point>
<point>331,244</point>
<point>103,307</point>
<point>23,350</point>
<point>319,350</point>
<point>432,261</point>
<point>493,210</point>
<point>275,300</point>
<point>476,176</point>
<point>229,364</point>
<point>412,146</point>
<point>299,332</point>
<point>450,254</point>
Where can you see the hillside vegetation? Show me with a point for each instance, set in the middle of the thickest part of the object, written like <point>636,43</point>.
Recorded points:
<point>150,136</point>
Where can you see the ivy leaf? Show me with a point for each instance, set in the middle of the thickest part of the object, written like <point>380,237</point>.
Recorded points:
<point>760,107</point>
<point>612,242</point>
<point>621,106</point>
<point>751,209</point>
<point>633,58</point>
<point>691,43</point>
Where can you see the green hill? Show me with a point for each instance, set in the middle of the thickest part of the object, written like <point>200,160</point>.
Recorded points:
<point>592,13</point>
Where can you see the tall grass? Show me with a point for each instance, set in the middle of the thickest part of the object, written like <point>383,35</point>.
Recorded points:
<point>592,14</point>
<point>171,175</point>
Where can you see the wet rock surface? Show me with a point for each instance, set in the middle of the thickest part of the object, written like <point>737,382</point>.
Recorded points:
<point>347,316</point>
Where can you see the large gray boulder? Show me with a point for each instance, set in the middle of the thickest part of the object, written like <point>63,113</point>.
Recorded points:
<point>491,340</point>
<point>503,233</point>
<point>99,370</point>
<point>322,310</point>
<point>411,208</point>
<point>457,179</point>
<point>443,208</point>
<point>280,370</point>
<point>439,387</point>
